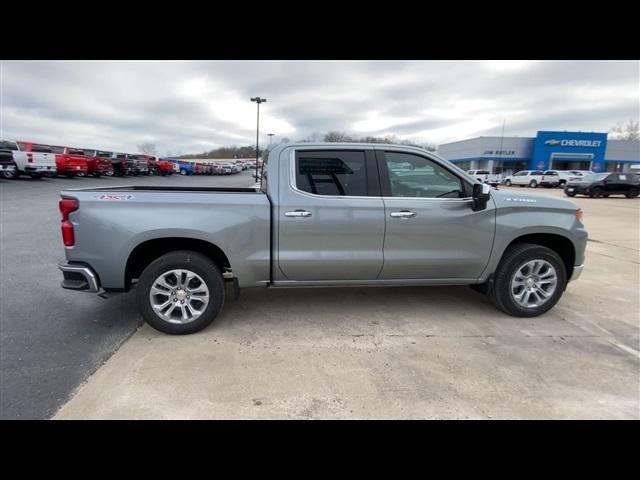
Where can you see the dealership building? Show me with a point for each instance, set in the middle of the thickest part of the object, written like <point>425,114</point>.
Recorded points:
<point>546,151</point>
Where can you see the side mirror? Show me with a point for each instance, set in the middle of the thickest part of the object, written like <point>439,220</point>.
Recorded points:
<point>480,196</point>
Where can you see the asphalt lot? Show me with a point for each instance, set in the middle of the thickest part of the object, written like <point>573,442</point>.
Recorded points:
<point>438,352</point>
<point>51,339</point>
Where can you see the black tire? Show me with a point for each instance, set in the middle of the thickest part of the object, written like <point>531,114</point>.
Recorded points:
<point>562,183</point>
<point>533,184</point>
<point>11,175</point>
<point>632,193</point>
<point>507,183</point>
<point>596,192</point>
<point>97,174</point>
<point>499,290</point>
<point>569,194</point>
<point>183,172</point>
<point>181,259</point>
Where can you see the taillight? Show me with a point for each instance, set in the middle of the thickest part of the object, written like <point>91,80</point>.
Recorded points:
<point>30,157</point>
<point>68,205</point>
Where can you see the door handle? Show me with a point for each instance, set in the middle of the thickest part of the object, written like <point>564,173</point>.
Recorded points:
<point>298,213</point>
<point>403,214</point>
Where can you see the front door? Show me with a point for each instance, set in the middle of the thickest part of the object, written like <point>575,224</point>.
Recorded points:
<point>330,216</point>
<point>431,230</point>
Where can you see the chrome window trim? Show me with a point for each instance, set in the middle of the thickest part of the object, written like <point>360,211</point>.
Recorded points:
<point>293,186</point>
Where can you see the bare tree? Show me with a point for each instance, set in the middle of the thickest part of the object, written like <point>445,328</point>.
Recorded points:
<point>627,131</point>
<point>337,137</point>
<point>147,148</point>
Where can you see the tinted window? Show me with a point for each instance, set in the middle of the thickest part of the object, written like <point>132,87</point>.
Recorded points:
<point>7,145</point>
<point>521,174</point>
<point>622,177</point>
<point>537,173</point>
<point>483,172</point>
<point>40,148</point>
<point>416,176</point>
<point>76,151</point>
<point>22,146</point>
<point>551,172</point>
<point>332,173</point>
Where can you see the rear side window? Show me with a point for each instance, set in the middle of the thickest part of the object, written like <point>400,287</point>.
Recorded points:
<point>57,149</point>
<point>41,148</point>
<point>341,173</point>
<point>537,173</point>
<point>76,151</point>
<point>551,173</point>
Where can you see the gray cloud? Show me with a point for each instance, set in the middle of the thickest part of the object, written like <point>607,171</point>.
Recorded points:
<point>195,106</point>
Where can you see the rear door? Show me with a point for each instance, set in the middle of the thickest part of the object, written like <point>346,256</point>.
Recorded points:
<point>431,231</point>
<point>330,215</point>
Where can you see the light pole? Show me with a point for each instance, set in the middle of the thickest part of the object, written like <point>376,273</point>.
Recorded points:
<point>258,100</point>
<point>270,135</point>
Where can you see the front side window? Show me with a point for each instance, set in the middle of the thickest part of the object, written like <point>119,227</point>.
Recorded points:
<point>521,174</point>
<point>415,176</point>
<point>335,173</point>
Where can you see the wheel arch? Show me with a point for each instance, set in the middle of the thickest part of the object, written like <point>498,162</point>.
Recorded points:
<point>148,251</point>
<point>560,244</point>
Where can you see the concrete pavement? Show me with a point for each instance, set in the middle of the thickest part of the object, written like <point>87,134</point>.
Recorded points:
<point>438,352</point>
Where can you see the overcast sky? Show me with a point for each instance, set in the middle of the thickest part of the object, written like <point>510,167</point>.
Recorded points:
<point>191,107</point>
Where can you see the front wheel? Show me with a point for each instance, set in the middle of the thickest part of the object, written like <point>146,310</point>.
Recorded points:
<point>529,280</point>
<point>181,292</point>
<point>569,194</point>
<point>632,193</point>
<point>183,172</point>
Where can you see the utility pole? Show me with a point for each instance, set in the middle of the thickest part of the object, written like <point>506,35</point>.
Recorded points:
<point>258,100</point>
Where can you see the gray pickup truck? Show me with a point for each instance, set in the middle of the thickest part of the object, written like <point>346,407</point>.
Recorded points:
<point>322,215</point>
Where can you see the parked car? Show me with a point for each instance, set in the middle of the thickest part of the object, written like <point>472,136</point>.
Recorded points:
<point>139,164</point>
<point>31,159</point>
<point>99,162</point>
<point>345,214</point>
<point>152,166</point>
<point>185,168</point>
<point>563,176</point>
<point>227,168</point>
<point>121,164</point>
<point>7,167</point>
<point>532,178</point>
<point>70,162</point>
<point>485,176</point>
<point>604,184</point>
<point>164,167</point>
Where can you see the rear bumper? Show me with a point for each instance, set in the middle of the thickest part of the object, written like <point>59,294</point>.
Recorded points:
<point>39,168</point>
<point>577,271</point>
<point>81,277</point>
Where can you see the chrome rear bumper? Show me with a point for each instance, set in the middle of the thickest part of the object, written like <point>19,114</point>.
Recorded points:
<point>79,277</point>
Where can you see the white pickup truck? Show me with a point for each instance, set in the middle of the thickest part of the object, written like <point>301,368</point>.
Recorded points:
<point>533,179</point>
<point>30,159</point>
<point>485,176</point>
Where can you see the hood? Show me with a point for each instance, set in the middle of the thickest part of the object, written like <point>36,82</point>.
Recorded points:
<point>525,200</point>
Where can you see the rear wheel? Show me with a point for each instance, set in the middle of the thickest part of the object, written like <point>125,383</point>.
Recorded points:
<point>569,194</point>
<point>183,171</point>
<point>507,183</point>
<point>533,184</point>
<point>596,192</point>
<point>632,193</point>
<point>36,175</point>
<point>181,292</point>
<point>12,175</point>
<point>529,280</point>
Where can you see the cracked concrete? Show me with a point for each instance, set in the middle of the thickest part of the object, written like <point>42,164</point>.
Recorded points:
<point>439,352</point>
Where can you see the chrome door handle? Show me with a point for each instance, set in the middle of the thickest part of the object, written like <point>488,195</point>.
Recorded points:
<point>298,213</point>
<point>403,214</point>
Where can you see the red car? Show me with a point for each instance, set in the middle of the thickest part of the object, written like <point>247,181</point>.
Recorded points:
<point>164,167</point>
<point>152,163</point>
<point>99,162</point>
<point>70,161</point>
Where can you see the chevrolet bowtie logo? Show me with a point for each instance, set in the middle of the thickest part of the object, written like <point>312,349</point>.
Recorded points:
<point>552,142</point>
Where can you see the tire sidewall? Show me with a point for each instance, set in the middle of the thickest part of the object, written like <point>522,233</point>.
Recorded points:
<point>195,262</point>
<point>506,271</point>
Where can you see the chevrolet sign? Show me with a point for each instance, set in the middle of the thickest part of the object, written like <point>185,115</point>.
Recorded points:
<point>575,143</point>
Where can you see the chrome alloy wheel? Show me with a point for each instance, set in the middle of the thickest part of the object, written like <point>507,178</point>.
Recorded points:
<point>179,296</point>
<point>534,283</point>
